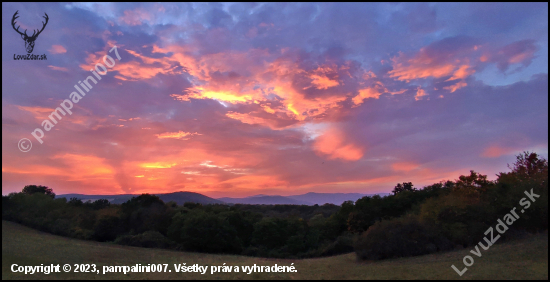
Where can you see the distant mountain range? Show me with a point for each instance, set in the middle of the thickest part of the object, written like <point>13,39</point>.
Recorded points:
<point>310,198</point>
<point>180,198</point>
<point>265,200</point>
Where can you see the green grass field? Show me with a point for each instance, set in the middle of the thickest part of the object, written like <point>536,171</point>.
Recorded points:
<point>522,259</point>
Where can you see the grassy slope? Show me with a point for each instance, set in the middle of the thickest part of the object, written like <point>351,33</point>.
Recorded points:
<point>527,259</point>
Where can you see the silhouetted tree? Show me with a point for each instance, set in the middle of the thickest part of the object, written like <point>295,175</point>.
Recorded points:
<point>100,204</point>
<point>31,189</point>
<point>107,228</point>
<point>473,185</point>
<point>75,202</point>
<point>529,164</point>
<point>145,212</point>
<point>406,186</point>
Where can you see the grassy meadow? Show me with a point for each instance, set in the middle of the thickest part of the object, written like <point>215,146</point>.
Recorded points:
<point>522,259</point>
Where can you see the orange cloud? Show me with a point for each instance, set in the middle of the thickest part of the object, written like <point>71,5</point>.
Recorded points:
<point>425,65</point>
<point>176,135</point>
<point>421,67</point>
<point>238,77</point>
<point>369,92</point>
<point>456,86</point>
<point>142,68</point>
<point>249,119</point>
<point>158,165</point>
<point>463,72</point>
<point>225,96</point>
<point>39,113</point>
<point>86,166</point>
<point>323,82</point>
<point>320,77</point>
<point>333,144</point>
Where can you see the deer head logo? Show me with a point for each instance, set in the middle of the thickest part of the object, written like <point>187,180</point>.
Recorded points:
<point>29,40</point>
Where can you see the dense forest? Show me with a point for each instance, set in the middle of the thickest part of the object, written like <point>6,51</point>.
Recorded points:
<point>411,221</point>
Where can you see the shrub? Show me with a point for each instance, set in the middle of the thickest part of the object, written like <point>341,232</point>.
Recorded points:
<point>148,239</point>
<point>342,245</point>
<point>107,228</point>
<point>400,237</point>
<point>204,232</point>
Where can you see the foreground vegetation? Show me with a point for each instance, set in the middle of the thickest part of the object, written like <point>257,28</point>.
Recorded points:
<point>440,217</point>
<point>520,259</point>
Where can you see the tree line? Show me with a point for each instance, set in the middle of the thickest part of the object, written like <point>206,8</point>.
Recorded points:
<point>438,217</point>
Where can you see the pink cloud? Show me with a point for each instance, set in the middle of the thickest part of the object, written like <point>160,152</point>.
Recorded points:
<point>419,94</point>
<point>497,151</point>
<point>58,68</point>
<point>519,52</point>
<point>404,166</point>
<point>369,92</point>
<point>333,143</point>
<point>136,17</point>
<point>57,49</point>
<point>456,86</point>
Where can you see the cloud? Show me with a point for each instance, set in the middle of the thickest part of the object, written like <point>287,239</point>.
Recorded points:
<point>370,92</point>
<point>419,94</point>
<point>449,57</point>
<point>404,166</point>
<point>333,143</point>
<point>496,151</point>
<point>58,68</point>
<point>288,98</point>
<point>456,86</point>
<point>58,49</point>
<point>176,135</point>
<point>158,165</point>
<point>135,17</point>
<point>520,52</point>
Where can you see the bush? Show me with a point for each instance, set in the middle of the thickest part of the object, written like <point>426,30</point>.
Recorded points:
<point>107,228</point>
<point>401,237</point>
<point>459,218</point>
<point>145,212</point>
<point>342,245</point>
<point>204,232</point>
<point>148,239</point>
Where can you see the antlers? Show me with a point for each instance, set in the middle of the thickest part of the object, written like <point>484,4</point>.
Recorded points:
<point>34,35</point>
<point>13,23</point>
<point>43,25</point>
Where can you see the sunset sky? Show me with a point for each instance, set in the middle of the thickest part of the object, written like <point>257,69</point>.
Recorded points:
<point>244,99</point>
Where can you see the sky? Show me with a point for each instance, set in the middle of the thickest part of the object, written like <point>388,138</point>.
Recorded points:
<point>239,99</point>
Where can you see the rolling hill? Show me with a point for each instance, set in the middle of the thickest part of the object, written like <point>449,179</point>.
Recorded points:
<point>521,259</point>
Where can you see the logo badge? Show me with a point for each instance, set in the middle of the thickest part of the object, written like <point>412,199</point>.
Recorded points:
<point>29,40</point>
